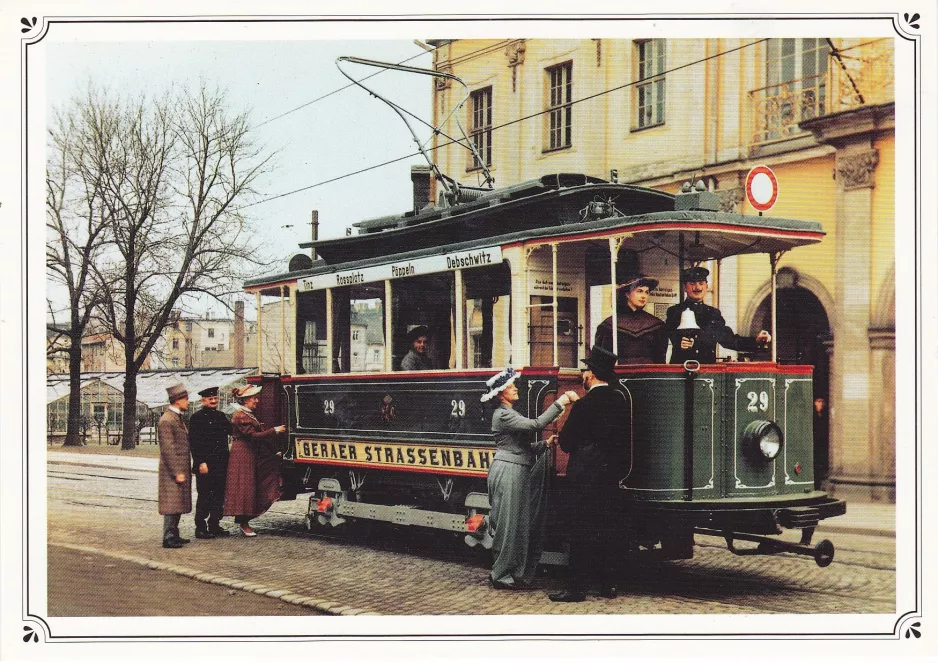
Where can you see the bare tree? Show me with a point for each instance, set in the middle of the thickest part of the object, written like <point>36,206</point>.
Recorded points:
<point>76,222</point>
<point>175,172</point>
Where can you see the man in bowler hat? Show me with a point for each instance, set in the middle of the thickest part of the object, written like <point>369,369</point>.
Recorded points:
<point>597,436</point>
<point>701,345</point>
<point>175,478</point>
<point>208,440</point>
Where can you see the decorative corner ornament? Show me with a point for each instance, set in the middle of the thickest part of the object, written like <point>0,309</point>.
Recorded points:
<point>443,83</point>
<point>856,171</point>
<point>515,53</point>
<point>388,411</point>
<point>30,23</point>
<point>914,629</point>
<point>30,633</point>
<point>912,22</point>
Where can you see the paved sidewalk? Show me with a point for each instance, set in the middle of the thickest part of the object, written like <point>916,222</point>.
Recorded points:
<point>422,575</point>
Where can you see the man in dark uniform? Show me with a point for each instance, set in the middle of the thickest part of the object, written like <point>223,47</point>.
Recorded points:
<point>597,437</point>
<point>702,345</point>
<point>208,440</point>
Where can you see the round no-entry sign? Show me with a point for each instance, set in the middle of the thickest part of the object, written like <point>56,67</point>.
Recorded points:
<point>761,188</point>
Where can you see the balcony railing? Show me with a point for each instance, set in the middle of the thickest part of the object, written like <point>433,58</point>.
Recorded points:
<point>860,75</point>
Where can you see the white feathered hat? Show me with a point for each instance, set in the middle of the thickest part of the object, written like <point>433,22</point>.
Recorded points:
<point>498,383</point>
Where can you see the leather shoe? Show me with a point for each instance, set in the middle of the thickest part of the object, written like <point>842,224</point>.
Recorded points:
<point>609,592</point>
<point>219,532</point>
<point>172,543</point>
<point>498,584</point>
<point>181,540</point>
<point>567,596</point>
<point>203,534</point>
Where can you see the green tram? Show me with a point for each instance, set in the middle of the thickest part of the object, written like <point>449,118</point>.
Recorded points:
<point>522,276</point>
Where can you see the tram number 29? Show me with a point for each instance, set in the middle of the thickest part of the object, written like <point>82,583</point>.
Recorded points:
<point>328,406</point>
<point>758,401</point>
<point>459,409</point>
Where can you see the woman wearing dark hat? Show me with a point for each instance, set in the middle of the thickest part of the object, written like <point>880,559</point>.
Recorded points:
<point>642,337</point>
<point>254,465</point>
<point>417,358</point>
<point>517,482</point>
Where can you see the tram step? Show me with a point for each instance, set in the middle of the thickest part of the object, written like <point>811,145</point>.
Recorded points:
<point>403,515</point>
<point>798,517</point>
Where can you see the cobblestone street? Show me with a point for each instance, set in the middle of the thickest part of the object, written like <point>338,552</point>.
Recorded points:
<point>106,505</point>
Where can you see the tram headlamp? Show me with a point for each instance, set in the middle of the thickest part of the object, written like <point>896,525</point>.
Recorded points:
<point>762,439</point>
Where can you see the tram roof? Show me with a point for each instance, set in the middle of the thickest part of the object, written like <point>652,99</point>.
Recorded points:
<point>708,235</point>
<point>548,201</point>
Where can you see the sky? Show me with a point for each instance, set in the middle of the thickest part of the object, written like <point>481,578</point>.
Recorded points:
<point>344,132</point>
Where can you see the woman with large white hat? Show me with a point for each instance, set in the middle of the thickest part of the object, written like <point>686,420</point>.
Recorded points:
<point>254,464</point>
<point>517,482</point>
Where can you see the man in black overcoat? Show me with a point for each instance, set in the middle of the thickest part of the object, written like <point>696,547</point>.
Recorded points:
<point>597,435</point>
<point>208,440</point>
<point>701,344</point>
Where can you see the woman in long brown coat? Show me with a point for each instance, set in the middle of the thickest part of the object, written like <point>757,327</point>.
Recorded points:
<point>254,465</point>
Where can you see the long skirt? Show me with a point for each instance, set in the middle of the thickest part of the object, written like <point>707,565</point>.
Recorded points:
<point>253,481</point>
<point>518,495</point>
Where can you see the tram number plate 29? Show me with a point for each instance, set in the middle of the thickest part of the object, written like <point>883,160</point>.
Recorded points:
<point>758,402</point>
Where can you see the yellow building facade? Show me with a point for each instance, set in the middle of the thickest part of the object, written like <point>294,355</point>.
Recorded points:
<point>818,112</point>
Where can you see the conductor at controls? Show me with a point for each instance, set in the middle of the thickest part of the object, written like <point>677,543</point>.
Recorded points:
<point>700,344</point>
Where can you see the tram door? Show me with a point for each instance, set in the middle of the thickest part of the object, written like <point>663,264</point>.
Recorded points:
<point>542,331</point>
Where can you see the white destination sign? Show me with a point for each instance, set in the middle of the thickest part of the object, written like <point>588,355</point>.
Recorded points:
<point>403,269</point>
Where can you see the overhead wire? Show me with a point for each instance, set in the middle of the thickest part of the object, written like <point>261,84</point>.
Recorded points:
<point>480,51</point>
<point>452,141</point>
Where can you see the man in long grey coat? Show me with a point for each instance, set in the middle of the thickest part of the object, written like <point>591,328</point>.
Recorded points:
<point>175,478</point>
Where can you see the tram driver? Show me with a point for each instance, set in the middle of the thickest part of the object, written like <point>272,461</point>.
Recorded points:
<point>700,345</point>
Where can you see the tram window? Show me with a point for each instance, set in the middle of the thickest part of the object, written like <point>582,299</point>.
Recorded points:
<point>542,331</point>
<point>358,321</point>
<point>311,332</point>
<point>424,301</point>
<point>487,309</point>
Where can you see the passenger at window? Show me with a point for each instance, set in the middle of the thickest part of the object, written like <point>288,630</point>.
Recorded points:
<point>641,336</point>
<point>517,483</point>
<point>418,357</point>
<point>700,345</point>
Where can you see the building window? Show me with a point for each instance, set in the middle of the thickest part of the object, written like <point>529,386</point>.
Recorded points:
<point>560,108</point>
<point>211,332</point>
<point>795,87</point>
<point>175,344</point>
<point>650,92</point>
<point>221,346</point>
<point>354,334</point>
<point>480,127</point>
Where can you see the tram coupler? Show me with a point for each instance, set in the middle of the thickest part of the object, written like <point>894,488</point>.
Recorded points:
<point>477,521</point>
<point>324,506</point>
<point>823,552</point>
